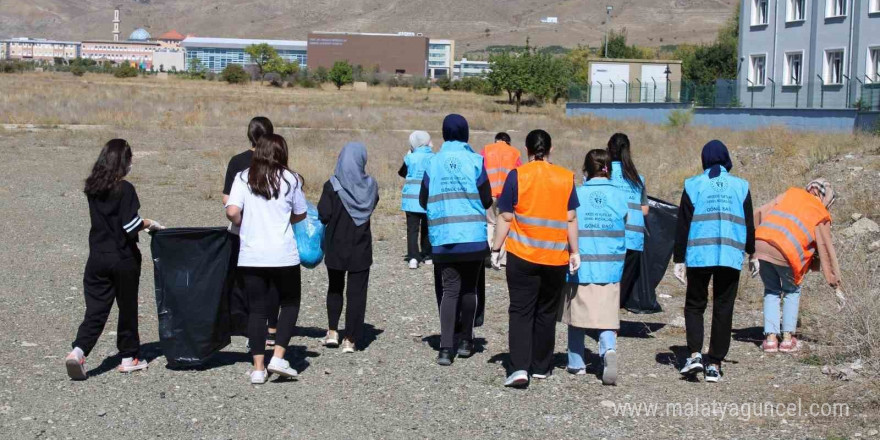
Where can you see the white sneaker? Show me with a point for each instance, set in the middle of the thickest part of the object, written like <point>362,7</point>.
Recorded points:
<point>517,379</point>
<point>130,365</point>
<point>282,368</point>
<point>413,264</point>
<point>542,375</point>
<point>609,373</point>
<point>259,377</point>
<point>331,340</point>
<point>693,365</point>
<point>347,346</point>
<point>75,363</point>
<point>429,261</point>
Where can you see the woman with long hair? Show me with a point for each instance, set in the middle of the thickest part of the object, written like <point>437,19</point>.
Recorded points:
<point>266,200</point>
<point>113,269</point>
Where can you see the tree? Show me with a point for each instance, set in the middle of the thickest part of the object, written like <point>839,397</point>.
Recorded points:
<point>707,63</point>
<point>321,75</point>
<point>234,74</point>
<point>578,60</point>
<point>77,70</point>
<point>282,67</point>
<point>617,48</point>
<point>341,74</point>
<point>196,69</point>
<point>125,70</point>
<point>261,55</point>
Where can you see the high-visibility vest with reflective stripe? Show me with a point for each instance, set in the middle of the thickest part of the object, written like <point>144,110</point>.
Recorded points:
<point>717,235</point>
<point>501,159</point>
<point>601,232</point>
<point>455,211</point>
<point>415,170</point>
<point>635,221</point>
<point>539,231</point>
<point>791,228</point>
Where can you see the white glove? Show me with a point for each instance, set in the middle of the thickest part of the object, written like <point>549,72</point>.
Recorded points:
<point>754,267</point>
<point>574,262</point>
<point>155,226</point>
<point>841,300</point>
<point>496,260</point>
<point>679,271</point>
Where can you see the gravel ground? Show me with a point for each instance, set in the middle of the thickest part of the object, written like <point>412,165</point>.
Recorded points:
<point>392,389</point>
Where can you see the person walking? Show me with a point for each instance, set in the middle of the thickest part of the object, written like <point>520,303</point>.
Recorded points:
<point>715,226</point>
<point>626,177</point>
<point>793,232</point>
<point>418,246</point>
<point>113,269</point>
<point>346,204</point>
<point>594,300</point>
<point>539,225</point>
<point>266,200</point>
<point>500,159</point>
<point>455,194</point>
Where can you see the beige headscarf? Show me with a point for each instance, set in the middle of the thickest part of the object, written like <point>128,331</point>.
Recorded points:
<point>823,188</point>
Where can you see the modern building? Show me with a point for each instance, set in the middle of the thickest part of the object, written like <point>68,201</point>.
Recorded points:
<point>469,68</point>
<point>139,53</point>
<point>39,49</point>
<point>217,53</point>
<point>807,53</point>
<point>404,53</point>
<point>624,80</point>
<point>441,58</point>
<point>169,60</point>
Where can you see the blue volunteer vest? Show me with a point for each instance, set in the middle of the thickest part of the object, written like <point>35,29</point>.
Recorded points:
<point>635,221</point>
<point>717,235</point>
<point>601,232</point>
<point>416,162</point>
<point>455,212</point>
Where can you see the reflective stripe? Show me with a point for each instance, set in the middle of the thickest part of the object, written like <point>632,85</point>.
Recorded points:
<point>715,216</point>
<point>543,244</point>
<point>534,221</point>
<point>716,241</point>
<point>133,224</point>
<point>595,233</point>
<point>457,219</point>
<point>412,182</point>
<point>410,196</point>
<point>634,206</point>
<point>788,235</point>
<point>796,221</point>
<point>133,221</point>
<point>453,196</point>
<point>498,170</point>
<point>603,258</point>
<point>635,228</point>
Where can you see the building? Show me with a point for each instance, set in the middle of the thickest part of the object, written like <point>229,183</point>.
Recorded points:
<point>550,20</point>
<point>140,53</point>
<point>170,39</point>
<point>807,53</point>
<point>403,53</point>
<point>468,68</point>
<point>623,80</point>
<point>441,58</point>
<point>2,50</point>
<point>216,53</point>
<point>169,60</point>
<point>40,49</point>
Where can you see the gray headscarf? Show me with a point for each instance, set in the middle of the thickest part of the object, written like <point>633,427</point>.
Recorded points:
<point>357,190</point>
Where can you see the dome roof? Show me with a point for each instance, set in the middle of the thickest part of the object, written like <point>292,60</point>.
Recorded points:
<point>139,34</point>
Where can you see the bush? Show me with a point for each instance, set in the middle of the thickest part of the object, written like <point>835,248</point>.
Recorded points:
<point>419,83</point>
<point>77,70</point>
<point>15,66</point>
<point>341,74</point>
<point>444,83</point>
<point>234,74</point>
<point>680,118</point>
<point>125,70</point>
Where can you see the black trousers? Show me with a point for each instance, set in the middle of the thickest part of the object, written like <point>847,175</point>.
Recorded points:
<point>535,293</point>
<point>109,277</point>
<point>725,284</point>
<point>356,307</point>
<point>459,303</point>
<point>417,236</point>
<point>632,267</point>
<point>238,302</point>
<point>266,286</point>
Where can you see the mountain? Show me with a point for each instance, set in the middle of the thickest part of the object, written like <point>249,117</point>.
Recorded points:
<point>474,24</point>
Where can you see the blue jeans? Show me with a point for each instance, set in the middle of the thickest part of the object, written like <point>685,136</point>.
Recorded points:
<point>779,287</point>
<point>607,341</point>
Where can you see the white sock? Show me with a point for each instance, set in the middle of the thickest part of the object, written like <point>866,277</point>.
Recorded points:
<point>78,352</point>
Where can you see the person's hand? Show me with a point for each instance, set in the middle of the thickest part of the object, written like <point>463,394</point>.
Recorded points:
<point>679,271</point>
<point>841,300</point>
<point>496,260</point>
<point>574,262</point>
<point>155,226</point>
<point>754,266</point>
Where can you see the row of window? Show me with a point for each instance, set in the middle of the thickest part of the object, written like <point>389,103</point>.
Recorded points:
<point>832,68</point>
<point>796,10</point>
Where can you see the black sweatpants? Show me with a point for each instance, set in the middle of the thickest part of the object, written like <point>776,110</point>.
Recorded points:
<point>110,277</point>
<point>266,286</point>
<point>356,307</point>
<point>459,303</point>
<point>725,284</point>
<point>535,292</point>
<point>417,236</point>
<point>632,267</point>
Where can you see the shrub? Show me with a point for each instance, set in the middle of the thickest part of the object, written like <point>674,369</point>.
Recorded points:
<point>420,83</point>
<point>234,74</point>
<point>77,70</point>
<point>680,118</point>
<point>125,70</point>
<point>444,83</point>
<point>341,74</point>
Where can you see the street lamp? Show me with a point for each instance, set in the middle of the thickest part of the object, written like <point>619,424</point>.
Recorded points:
<point>607,26</point>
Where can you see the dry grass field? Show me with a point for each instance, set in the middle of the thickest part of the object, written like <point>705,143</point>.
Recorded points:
<point>183,133</point>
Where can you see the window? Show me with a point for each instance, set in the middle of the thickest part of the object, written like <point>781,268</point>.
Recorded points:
<point>793,69</point>
<point>796,10</point>
<point>756,70</point>
<point>874,7</point>
<point>873,69</point>
<point>833,66</point>
<point>759,12</point>
<point>835,8</point>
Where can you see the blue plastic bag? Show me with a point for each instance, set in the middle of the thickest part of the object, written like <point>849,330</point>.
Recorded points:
<point>310,238</point>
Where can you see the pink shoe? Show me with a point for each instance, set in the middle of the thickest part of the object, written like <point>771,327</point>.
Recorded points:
<point>789,346</point>
<point>770,346</point>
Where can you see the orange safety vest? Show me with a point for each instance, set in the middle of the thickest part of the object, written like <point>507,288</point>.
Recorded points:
<point>539,232</point>
<point>500,159</point>
<point>791,228</point>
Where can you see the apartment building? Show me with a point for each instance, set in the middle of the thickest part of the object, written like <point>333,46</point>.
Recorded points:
<point>441,58</point>
<point>808,53</point>
<point>39,49</point>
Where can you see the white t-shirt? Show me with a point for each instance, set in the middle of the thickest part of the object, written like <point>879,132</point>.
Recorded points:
<point>267,238</point>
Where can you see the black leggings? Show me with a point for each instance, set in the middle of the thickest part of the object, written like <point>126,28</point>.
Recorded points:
<point>266,286</point>
<point>417,236</point>
<point>356,308</point>
<point>725,282</point>
<point>459,303</point>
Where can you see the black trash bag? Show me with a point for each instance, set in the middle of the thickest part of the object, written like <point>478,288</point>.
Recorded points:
<point>191,269</point>
<point>659,241</point>
<point>481,295</point>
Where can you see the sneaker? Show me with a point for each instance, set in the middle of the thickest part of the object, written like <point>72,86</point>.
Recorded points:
<point>444,357</point>
<point>713,374</point>
<point>789,346</point>
<point>75,363</point>
<point>428,261</point>
<point>576,371</point>
<point>693,365</point>
<point>331,340</point>
<point>132,364</point>
<point>465,348</point>
<point>282,368</point>
<point>770,346</point>
<point>517,379</point>
<point>347,346</point>
<point>259,377</point>
<point>542,375</point>
<point>413,263</point>
<point>609,373</point>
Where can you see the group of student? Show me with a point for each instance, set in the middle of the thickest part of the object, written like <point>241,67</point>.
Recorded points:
<point>571,252</point>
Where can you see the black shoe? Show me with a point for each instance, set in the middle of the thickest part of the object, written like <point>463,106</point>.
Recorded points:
<point>444,357</point>
<point>465,348</point>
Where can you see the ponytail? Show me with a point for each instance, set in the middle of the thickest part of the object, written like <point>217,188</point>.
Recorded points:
<point>538,144</point>
<point>619,150</point>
